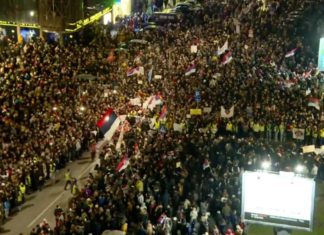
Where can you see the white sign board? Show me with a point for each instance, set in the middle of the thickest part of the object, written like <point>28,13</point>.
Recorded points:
<point>282,200</point>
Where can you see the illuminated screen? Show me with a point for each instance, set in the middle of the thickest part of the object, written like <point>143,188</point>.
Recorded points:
<point>321,55</point>
<point>3,33</point>
<point>28,33</point>
<point>282,200</point>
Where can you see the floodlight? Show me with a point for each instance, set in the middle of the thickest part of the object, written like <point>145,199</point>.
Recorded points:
<point>266,165</point>
<point>299,168</point>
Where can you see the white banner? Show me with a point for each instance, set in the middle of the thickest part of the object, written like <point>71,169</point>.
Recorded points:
<point>227,113</point>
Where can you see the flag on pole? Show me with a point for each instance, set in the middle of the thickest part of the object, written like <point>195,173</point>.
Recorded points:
<point>291,53</point>
<point>120,139</point>
<point>123,164</point>
<point>108,123</point>
<point>190,70</point>
<point>227,58</point>
<point>314,102</point>
<point>227,113</point>
<point>150,74</point>
<point>222,50</point>
<point>157,100</point>
<point>133,71</point>
<point>298,133</point>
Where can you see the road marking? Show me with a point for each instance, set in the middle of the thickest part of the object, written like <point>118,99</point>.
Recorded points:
<point>85,170</point>
<point>46,209</point>
<point>61,194</point>
<point>57,198</point>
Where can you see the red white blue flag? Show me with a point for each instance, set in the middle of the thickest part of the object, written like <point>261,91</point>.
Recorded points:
<point>190,70</point>
<point>108,123</point>
<point>123,164</point>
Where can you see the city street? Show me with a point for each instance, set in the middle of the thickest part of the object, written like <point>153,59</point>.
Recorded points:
<point>41,205</point>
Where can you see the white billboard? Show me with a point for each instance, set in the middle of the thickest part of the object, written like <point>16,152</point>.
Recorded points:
<point>321,55</point>
<point>282,200</point>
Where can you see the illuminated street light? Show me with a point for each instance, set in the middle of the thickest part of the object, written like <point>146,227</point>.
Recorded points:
<point>31,13</point>
<point>266,165</point>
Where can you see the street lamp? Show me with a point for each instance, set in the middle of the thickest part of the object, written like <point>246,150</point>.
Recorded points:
<point>31,13</point>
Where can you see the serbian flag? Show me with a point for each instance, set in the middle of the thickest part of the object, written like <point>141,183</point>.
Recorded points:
<point>314,102</point>
<point>123,164</point>
<point>227,58</point>
<point>152,101</point>
<point>133,71</point>
<point>108,123</point>
<point>190,70</point>
<point>291,53</point>
<point>150,74</point>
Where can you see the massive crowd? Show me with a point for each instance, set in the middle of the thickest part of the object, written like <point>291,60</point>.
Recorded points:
<point>184,181</point>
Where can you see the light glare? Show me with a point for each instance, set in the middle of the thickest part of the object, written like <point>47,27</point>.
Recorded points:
<point>299,168</point>
<point>266,165</point>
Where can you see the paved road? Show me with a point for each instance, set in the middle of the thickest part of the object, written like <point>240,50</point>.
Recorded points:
<point>40,205</point>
